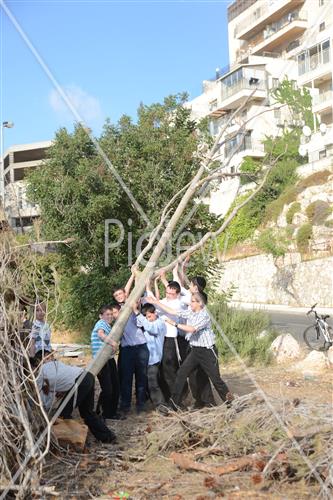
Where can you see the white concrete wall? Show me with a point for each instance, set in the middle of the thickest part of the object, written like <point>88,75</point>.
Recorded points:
<point>261,280</point>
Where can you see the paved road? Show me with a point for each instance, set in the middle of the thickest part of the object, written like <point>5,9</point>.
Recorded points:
<point>294,323</point>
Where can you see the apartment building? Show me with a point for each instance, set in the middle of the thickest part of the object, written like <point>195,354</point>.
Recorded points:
<point>268,40</point>
<point>19,160</point>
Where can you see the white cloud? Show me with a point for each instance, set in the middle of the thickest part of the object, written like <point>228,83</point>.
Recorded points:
<point>87,106</point>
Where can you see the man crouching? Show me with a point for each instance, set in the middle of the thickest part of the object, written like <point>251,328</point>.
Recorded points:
<point>55,379</point>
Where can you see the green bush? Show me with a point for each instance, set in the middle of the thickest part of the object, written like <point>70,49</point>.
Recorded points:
<point>329,223</point>
<point>318,211</point>
<point>292,210</point>
<point>242,329</point>
<point>271,243</point>
<point>250,168</point>
<point>303,237</point>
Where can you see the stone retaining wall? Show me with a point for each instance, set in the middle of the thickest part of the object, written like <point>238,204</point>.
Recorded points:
<point>287,280</point>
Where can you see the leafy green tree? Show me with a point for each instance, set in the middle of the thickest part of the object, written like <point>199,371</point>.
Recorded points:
<point>298,100</point>
<point>77,192</point>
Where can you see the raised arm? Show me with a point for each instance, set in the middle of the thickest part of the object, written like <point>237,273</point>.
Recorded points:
<point>160,305</point>
<point>164,278</point>
<point>129,284</point>
<point>156,289</point>
<point>182,274</point>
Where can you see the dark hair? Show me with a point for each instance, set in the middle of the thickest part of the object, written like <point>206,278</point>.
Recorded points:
<point>40,355</point>
<point>118,288</point>
<point>145,308</point>
<point>104,308</point>
<point>174,285</point>
<point>200,282</point>
<point>115,306</point>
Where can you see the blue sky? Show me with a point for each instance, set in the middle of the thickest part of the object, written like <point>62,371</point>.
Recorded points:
<point>109,56</point>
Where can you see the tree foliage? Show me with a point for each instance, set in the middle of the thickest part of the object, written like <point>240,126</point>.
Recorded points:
<point>298,100</point>
<point>77,192</point>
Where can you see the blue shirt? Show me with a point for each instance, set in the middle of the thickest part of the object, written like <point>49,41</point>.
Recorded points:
<point>132,335</point>
<point>154,332</point>
<point>96,341</point>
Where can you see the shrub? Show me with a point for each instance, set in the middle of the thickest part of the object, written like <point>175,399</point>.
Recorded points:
<point>303,237</point>
<point>318,211</point>
<point>242,329</point>
<point>316,179</point>
<point>250,167</point>
<point>269,242</point>
<point>329,223</point>
<point>292,210</point>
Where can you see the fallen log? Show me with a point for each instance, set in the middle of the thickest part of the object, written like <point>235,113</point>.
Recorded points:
<point>255,460</point>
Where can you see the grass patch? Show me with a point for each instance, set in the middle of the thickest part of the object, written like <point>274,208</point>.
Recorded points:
<point>318,211</point>
<point>292,210</point>
<point>274,209</point>
<point>272,242</point>
<point>316,179</point>
<point>303,237</point>
<point>242,329</point>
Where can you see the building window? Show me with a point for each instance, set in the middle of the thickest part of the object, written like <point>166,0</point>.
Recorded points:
<point>321,26</point>
<point>214,127</point>
<point>321,3</point>
<point>322,154</point>
<point>213,105</point>
<point>315,56</point>
<point>277,114</point>
<point>239,142</point>
<point>275,83</point>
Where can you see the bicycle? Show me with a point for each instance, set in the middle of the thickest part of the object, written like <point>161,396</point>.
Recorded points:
<point>318,336</point>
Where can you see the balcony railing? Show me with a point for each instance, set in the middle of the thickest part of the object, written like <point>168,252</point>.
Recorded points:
<point>272,29</point>
<point>266,8</point>
<point>310,63</point>
<point>323,97</point>
<point>253,18</point>
<point>243,84</point>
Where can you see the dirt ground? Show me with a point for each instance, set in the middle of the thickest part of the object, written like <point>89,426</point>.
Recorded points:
<point>123,470</point>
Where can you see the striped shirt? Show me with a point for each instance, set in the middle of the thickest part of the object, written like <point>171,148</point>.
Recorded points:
<point>96,342</point>
<point>204,335</point>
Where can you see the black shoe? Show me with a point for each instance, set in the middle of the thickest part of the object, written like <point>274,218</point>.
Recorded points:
<point>118,416</point>
<point>229,399</point>
<point>108,438</point>
<point>124,412</point>
<point>176,407</point>
<point>163,409</point>
<point>198,405</point>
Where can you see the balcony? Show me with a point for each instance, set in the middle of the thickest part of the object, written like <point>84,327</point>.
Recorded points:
<point>287,29</point>
<point>311,66</point>
<point>244,145</point>
<point>235,95</point>
<point>322,102</point>
<point>269,11</point>
<point>232,97</point>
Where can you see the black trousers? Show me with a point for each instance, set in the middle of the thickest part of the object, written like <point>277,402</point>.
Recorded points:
<point>154,388</point>
<point>200,357</point>
<point>134,362</point>
<point>198,380</point>
<point>84,400</point>
<point>169,367</point>
<point>109,397</point>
